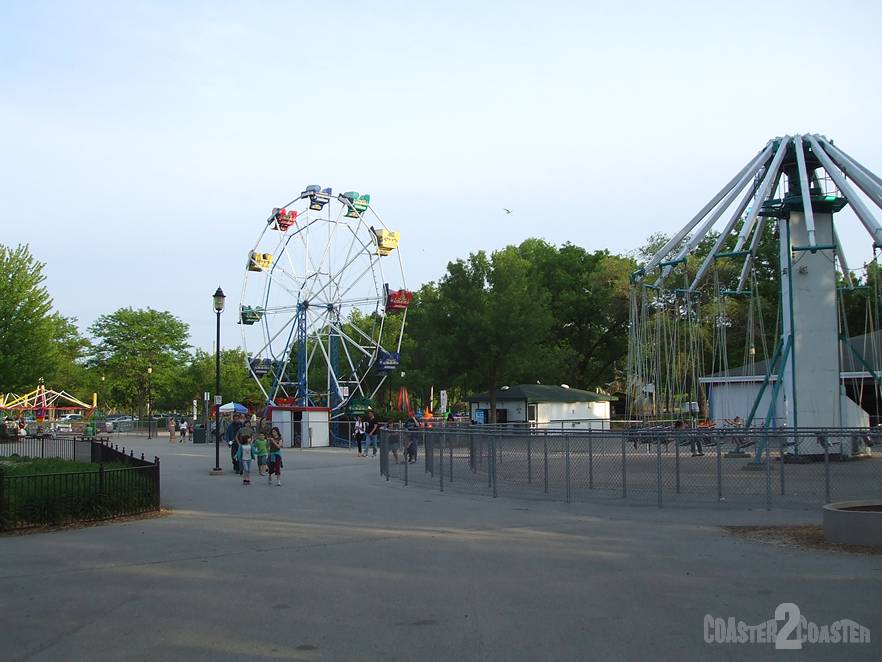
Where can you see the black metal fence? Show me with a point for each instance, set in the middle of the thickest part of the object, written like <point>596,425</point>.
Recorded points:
<point>128,485</point>
<point>664,467</point>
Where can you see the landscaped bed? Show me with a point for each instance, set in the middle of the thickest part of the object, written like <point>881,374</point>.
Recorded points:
<point>37,492</point>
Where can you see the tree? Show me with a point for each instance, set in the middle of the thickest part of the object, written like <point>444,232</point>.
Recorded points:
<point>588,296</point>
<point>128,342</point>
<point>26,324</point>
<point>237,384</point>
<point>67,360</point>
<point>485,322</point>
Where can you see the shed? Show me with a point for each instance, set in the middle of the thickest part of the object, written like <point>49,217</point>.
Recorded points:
<point>544,406</point>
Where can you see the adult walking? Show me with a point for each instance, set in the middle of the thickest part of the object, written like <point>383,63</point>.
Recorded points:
<point>230,437</point>
<point>373,433</point>
<point>171,429</point>
<point>359,432</point>
<point>184,427</point>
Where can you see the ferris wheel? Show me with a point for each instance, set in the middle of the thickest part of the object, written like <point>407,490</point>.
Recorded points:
<point>316,307</point>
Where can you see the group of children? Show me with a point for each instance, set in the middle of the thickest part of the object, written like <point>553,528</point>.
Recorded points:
<point>266,449</point>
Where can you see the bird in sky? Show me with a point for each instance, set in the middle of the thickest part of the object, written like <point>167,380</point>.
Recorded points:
<point>506,210</point>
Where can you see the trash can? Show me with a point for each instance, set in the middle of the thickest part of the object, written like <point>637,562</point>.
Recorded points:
<point>199,435</point>
<point>89,430</point>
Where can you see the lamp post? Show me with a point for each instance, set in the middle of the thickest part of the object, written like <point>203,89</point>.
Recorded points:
<point>149,417</point>
<point>218,300</point>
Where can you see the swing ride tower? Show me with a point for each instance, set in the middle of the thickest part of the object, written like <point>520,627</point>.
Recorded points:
<point>795,184</point>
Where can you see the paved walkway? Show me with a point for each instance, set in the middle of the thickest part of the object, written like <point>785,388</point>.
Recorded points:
<point>338,564</point>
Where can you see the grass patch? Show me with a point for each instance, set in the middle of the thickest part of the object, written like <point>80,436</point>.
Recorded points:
<point>41,492</point>
<point>17,465</point>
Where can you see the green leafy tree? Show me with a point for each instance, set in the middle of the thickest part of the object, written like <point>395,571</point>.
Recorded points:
<point>128,342</point>
<point>485,322</point>
<point>588,297</point>
<point>26,322</point>
<point>237,384</point>
<point>68,368</point>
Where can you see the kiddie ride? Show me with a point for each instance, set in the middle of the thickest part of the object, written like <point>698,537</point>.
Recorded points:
<point>316,307</point>
<point>45,405</point>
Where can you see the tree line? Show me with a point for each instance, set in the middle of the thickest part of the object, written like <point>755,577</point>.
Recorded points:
<point>529,313</point>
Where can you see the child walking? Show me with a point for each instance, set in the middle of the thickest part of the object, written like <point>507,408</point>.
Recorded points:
<point>245,455</point>
<point>275,456</point>
<point>261,448</point>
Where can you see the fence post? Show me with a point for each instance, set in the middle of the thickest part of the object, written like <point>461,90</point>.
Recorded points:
<point>406,462</point>
<point>658,469</point>
<point>529,459</point>
<point>768,473</point>
<point>823,441</point>
<point>156,464</point>
<point>781,455</point>
<point>430,454</point>
<point>42,447</point>
<point>624,471</point>
<point>590,461</point>
<point>567,447</point>
<point>677,462</point>
<point>493,442</point>
<point>545,454</point>
<point>100,482</point>
<point>719,470</point>
<point>450,455</point>
<point>441,465</point>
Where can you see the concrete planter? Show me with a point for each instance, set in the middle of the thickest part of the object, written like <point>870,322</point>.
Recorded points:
<point>854,522</point>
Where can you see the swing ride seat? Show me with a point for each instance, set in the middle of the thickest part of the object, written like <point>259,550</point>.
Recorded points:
<point>658,434</point>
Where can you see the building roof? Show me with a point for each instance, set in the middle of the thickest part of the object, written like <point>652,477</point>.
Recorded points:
<point>543,393</point>
<point>869,346</point>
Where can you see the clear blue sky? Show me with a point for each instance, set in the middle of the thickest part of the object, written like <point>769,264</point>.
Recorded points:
<point>143,143</point>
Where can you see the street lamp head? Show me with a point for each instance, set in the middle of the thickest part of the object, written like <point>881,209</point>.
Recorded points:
<point>150,370</point>
<point>219,300</point>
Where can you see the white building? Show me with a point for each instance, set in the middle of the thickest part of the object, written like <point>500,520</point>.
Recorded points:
<point>735,392</point>
<point>544,406</point>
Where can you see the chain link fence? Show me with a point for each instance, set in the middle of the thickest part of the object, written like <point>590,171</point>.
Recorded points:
<point>752,468</point>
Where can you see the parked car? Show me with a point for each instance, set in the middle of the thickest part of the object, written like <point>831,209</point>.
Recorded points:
<point>71,417</point>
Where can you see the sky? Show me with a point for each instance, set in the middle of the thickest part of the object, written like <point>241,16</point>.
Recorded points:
<point>143,144</point>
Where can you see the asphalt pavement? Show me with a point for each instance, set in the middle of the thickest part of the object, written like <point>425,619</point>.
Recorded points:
<point>339,564</point>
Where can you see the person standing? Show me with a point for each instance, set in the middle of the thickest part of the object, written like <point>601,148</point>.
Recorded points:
<point>171,429</point>
<point>359,432</point>
<point>184,427</point>
<point>246,454</point>
<point>373,433</point>
<point>261,449</point>
<point>230,437</point>
<point>275,456</point>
